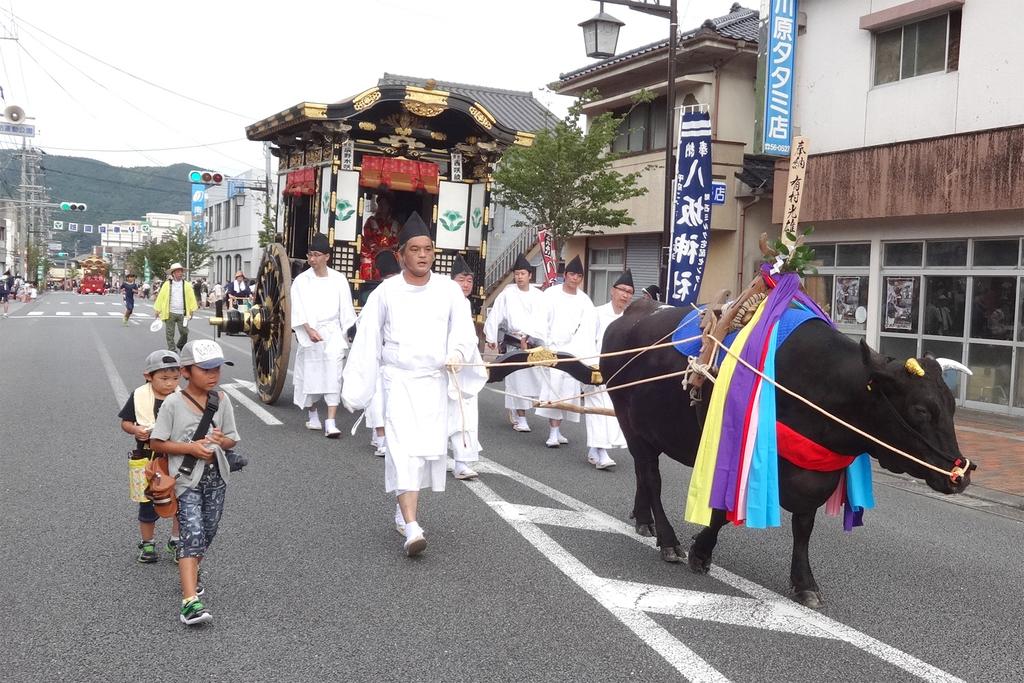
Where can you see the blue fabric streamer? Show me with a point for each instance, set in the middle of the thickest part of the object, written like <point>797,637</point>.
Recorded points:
<point>763,478</point>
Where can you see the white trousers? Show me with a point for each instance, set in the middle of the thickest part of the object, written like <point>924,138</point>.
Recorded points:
<point>602,431</point>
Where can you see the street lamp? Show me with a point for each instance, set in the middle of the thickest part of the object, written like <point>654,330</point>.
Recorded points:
<point>600,28</point>
<point>601,34</point>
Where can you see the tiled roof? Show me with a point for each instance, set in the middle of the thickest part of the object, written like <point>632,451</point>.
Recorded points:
<point>517,109</point>
<point>740,23</point>
<point>758,172</point>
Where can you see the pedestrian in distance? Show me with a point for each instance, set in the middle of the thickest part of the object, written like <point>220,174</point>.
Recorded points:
<point>322,312</point>
<point>238,289</point>
<point>200,465</point>
<point>463,412</point>
<point>218,293</point>
<point>415,335</point>
<point>6,282</point>
<point>162,373</point>
<point>145,291</point>
<point>175,304</point>
<point>204,292</point>
<point>128,289</point>
<point>197,289</point>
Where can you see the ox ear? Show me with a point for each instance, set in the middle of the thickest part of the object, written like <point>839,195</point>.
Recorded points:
<point>873,362</point>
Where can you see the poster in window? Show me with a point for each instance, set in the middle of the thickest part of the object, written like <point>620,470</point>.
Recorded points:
<point>847,298</point>
<point>899,304</point>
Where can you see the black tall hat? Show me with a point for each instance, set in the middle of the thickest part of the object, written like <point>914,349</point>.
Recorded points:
<point>575,266</point>
<point>387,263</point>
<point>653,291</point>
<point>522,264</point>
<point>460,267</point>
<point>414,227</point>
<point>625,279</point>
<point>319,243</point>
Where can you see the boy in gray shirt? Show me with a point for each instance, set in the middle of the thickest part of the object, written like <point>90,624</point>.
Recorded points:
<point>201,492</point>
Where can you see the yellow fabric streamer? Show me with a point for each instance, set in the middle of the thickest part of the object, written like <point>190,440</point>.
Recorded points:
<point>698,498</point>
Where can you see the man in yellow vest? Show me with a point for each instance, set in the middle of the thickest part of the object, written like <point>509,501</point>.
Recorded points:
<point>175,304</point>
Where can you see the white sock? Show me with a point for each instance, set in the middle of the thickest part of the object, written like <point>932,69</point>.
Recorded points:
<point>554,434</point>
<point>412,529</point>
<point>314,417</point>
<point>399,517</point>
<point>329,423</point>
<point>521,420</point>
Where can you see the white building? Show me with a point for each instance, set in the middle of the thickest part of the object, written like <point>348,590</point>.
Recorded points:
<point>914,112</point>
<point>120,238</point>
<point>233,224</point>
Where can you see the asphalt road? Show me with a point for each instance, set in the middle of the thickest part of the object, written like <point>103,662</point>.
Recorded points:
<point>530,574</point>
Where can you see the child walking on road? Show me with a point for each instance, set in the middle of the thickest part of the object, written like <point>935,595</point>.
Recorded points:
<point>195,428</point>
<point>137,418</point>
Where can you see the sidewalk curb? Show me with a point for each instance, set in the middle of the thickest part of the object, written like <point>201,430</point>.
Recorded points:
<point>974,491</point>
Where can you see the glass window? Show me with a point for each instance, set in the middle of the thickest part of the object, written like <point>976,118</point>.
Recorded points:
<point>825,254</point>
<point>853,254</point>
<point>946,349</point>
<point>924,47</point>
<point>945,299</point>
<point>851,294</point>
<point>946,253</point>
<point>898,347</point>
<point>1018,386</point>
<point>819,288</point>
<point>953,51</point>
<point>621,141</point>
<point>638,127</point>
<point>901,304</point>
<point>615,256</point>
<point>887,56</point>
<point>903,253</point>
<point>1020,320</point>
<point>658,115</point>
<point>598,257</point>
<point>993,307</point>
<point>996,252</point>
<point>990,382</point>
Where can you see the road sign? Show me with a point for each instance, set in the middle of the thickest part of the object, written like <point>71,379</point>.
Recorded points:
<point>24,130</point>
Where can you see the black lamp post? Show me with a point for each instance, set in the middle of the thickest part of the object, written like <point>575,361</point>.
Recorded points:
<point>600,35</point>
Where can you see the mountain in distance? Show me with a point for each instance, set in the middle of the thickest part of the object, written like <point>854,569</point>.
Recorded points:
<point>111,192</point>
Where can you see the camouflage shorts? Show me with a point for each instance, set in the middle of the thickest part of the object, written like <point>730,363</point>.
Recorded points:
<point>199,511</point>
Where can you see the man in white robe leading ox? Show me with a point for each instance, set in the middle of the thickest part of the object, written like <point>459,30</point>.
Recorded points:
<point>570,324</point>
<point>322,312</point>
<point>415,335</point>
<point>520,307</point>
<point>603,431</point>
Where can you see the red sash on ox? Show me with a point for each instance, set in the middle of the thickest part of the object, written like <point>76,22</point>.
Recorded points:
<point>802,452</point>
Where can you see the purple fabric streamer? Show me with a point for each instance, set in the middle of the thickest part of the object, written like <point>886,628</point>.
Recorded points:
<point>741,388</point>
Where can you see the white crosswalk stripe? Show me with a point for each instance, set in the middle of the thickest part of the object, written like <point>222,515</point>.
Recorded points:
<point>35,312</point>
<point>90,313</point>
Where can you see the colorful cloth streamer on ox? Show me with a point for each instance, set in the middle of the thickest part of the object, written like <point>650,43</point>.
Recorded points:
<point>736,469</point>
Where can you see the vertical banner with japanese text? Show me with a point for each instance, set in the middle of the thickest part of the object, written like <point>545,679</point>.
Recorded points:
<point>547,250</point>
<point>775,77</point>
<point>198,210</point>
<point>794,191</point>
<point>688,249</point>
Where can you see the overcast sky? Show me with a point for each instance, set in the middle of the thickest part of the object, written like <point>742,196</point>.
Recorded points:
<point>253,59</point>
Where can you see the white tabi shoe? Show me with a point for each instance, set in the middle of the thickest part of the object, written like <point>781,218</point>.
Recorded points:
<point>464,471</point>
<point>380,452</point>
<point>604,462</point>
<point>331,430</point>
<point>561,439</point>
<point>399,521</point>
<point>552,441</point>
<point>521,425</point>
<point>415,543</point>
<point>592,456</point>
<point>315,426</point>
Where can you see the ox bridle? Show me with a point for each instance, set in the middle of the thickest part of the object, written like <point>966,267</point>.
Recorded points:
<point>959,466</point>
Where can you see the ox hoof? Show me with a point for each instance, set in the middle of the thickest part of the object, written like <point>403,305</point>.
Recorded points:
<point>811,599</point>
<point>671,554</point>
<point>645,530</point>
<point>698,565</point>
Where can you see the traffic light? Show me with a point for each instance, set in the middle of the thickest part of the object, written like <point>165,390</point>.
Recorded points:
<point>206,177</point>
<point>73,206</point>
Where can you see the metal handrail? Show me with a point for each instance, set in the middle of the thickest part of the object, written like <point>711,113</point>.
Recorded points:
<point>498,267</point>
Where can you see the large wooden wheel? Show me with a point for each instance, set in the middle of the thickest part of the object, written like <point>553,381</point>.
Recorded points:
<point>272,333</point>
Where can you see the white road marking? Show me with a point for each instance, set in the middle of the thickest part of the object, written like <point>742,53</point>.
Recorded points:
<point>90,313</point>
<point>116,383</point>
<point>114,313</point>
<point>246,384</point>
<point>255,408</point>
<point>764,609</point>
<point>63,313</point>
<point>35,313</point>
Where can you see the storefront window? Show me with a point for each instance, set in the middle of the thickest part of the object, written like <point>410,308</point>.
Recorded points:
<point>946,349</point>
<point>851,295</point>
<point>1018,391</point>
<point>990,382</point>
<point>824,254</point>
<point>605,267</point>
<point>901,304</point>
<point>945,299</point>
<point>996,252</point>
<point>898,347</point>
<point>946,253</point>
<point>853,254</point>
<point>903,254</point>
<point>819,288</point>
<point>994,306</point>
<point>1020,319</point>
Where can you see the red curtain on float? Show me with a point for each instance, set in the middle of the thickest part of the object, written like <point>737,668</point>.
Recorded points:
<point>398,174</point>
<point>301,182</point>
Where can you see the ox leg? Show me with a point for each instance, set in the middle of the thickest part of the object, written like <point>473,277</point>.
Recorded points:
<point>668,543</point>
<point>805,588</point>
<point>643,521</point>
<point>699,557</point>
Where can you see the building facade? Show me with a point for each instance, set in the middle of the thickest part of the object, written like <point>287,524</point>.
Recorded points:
<point>716,66</point>
<point>234,218</point>
<point>914,113</point>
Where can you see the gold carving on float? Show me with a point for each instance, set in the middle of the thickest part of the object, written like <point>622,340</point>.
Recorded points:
<point>366,125</point>
<point>366,99</point>
<point>542,356</point>
<point>414,94</point>
<point>295,159</point>
<point>438,135</point>
<point>482,117</point>
<point>313,156</point>
<point>524,139</point>
<point>425,109</point>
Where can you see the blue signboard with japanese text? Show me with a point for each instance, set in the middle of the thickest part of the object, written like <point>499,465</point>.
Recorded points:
<point>717,192</point>
<point>198,209</point>
<point>777,76</point>
<point>692,210</point>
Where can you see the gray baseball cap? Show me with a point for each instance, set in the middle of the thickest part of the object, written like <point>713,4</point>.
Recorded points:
<point>162,359</point>
<point>205,353</point>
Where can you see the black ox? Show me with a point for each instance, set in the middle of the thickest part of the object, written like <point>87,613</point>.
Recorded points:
<point>910,412</point>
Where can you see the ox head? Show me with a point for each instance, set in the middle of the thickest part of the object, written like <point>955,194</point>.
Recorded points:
<point>912,409</point>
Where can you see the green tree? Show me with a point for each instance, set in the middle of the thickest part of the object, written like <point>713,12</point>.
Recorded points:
<point>268,231</point>
<point>162,254</point>
<point>564,181</point>
<point>37,257</point>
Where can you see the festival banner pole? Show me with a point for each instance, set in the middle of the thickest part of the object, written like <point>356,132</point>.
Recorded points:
<point>691,227</point>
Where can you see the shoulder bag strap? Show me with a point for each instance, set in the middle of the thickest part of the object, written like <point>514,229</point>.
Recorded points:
<point>212,404</point>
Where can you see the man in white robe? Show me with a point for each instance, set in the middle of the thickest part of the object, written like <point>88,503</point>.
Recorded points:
<point>414,337</point>
<point>520,308</point>
<point>603,431</point>
<point>463,412</point>
<point>387,265</point>
<point>322,312</point>
<point>570,325</point>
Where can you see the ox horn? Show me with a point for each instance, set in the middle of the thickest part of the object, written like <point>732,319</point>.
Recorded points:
<point>913,367</point>
<point>950,364</point>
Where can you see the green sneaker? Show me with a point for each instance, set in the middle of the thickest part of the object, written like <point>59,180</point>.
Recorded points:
<point>194,612</point>
<point>147,552</point>
<point>172,548</point>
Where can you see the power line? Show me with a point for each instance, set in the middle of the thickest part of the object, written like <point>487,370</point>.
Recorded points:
<point>183,193</point>
<point>131,75</point>
<point>148,149</point>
